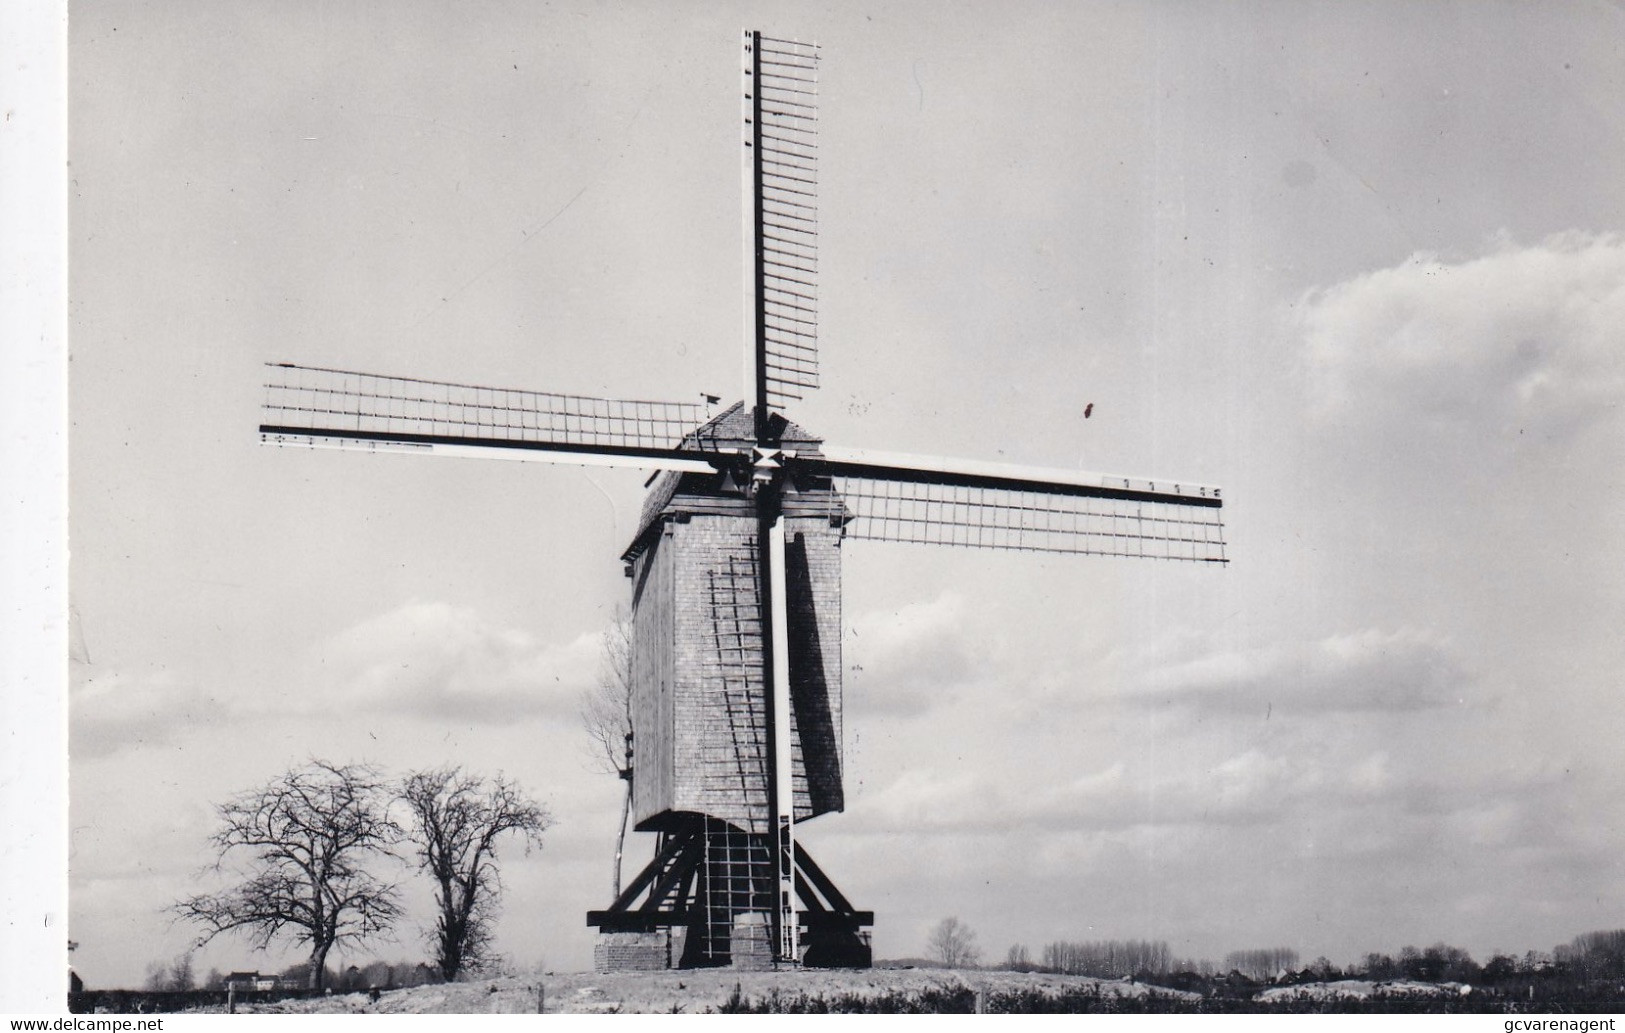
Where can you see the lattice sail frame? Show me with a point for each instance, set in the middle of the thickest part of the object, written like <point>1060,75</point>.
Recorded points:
<point>324,403</point>
<point>780,164</point>
<point>991,517</point>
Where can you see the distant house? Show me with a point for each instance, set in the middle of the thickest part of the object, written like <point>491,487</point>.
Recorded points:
<point>250,981</point>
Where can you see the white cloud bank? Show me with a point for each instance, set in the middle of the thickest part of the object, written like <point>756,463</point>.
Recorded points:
<point>436,660</point>
<point>111,711</point>
<point>907,661</point>
<point>422,660</point>
<point>1521,338</point>
<point>1370,669</point>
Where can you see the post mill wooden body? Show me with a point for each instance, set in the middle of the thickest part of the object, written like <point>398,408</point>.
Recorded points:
<point>735,568</point>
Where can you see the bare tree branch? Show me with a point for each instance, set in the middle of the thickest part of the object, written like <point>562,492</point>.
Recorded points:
<point>606,712</point>
<point>606,709</point>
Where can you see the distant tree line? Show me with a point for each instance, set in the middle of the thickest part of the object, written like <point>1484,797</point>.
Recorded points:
<point>178,975</point>
<point>1436,964</point>
<point>175,975</point>
<point>1262,963</point>
<point>1105,959</point>
<point>1108,959</point>
<point>375,974</point>
<point>1586,959</point>
<point>1599,955</point>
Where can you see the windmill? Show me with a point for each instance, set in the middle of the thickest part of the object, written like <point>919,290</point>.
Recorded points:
<point>735,566</point>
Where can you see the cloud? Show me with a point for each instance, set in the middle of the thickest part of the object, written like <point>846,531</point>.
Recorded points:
<point>1521,338</point>
<point>1368,670</point>
<point>111,711</point>
<point>905,661</point>
<point>1249,788</point>
<point>1367,827</point>
<point>422,659</point>
<point>435,660</point>
<point>1460,470</point>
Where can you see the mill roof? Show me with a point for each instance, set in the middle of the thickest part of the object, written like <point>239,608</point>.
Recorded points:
<point>731,431</point>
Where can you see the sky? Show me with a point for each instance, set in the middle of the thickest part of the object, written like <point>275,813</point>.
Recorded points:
<point>1361,265</point>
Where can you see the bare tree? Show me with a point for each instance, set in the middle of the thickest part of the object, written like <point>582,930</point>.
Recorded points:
<point>606,711</point>
<point>456,821</point>
<point>181,975</point>
<point>954,944</point>
<point>176,975</point>
<point>304,840</point>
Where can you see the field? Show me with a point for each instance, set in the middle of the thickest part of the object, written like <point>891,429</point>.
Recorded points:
<point>889,990</point>
<point>712,990</point>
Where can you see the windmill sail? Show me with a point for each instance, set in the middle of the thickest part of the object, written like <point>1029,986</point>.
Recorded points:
<point>948,502</point>
<point>780,157</point>
<point>780,163</point>
<point>315,406</point>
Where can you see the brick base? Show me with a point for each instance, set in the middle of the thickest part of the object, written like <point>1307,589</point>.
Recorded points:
<point>751,947</point>
<point>632,952</point>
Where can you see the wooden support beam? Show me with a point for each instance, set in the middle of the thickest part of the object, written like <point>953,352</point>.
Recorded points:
<point>651,871</point>
<point>826,886</point>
